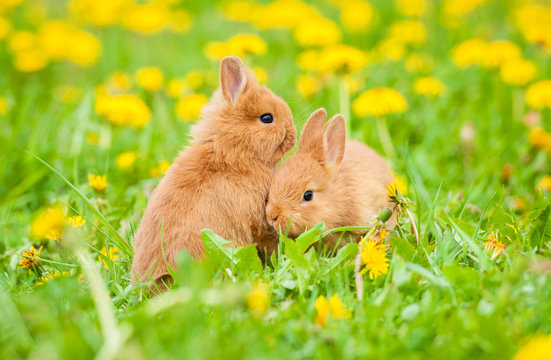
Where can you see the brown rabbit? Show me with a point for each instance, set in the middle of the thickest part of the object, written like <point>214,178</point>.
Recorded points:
<point>221,180</point>
<point>324,183</point>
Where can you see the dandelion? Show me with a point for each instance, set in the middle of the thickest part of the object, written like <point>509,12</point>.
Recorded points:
<point>307,85</point>
<point>374,258</point>
<point>411,7</point>
<point>517,72</point>
<point>317,32</point>
<point>113,256</point>
<point>499,52</point>
<point>341,59</point>
<point>163,166</point>
<point>538,95</point>
<point>49,223</point>
<point>419,63</point>
<point>545,184</point>
<point>379,236</point>
<point>309,60</point>
<point>119,82</point>
<point>97,182</point>
<point>150,78</point>
<point>30,60</point>
<point>538,348</point>
<point>76,221</point>
<point>180,21</point>
<point>408,32</point>
<point>50,276</point>
<point>429,86</point>
<point>356,15</point>
<point>248,44</point>
<point>494,245</point>
<point>379,102</point>
<point>401,184</point>
<point>176,87</point>
<point>258,299</point>
<point>123,110</point>
<point>30,262</point>
<point>189,107</point>
<point>146,19</point>
<point>534,22</point>
<point>458,8</point>
<point>469,52</point>
<point>390,49</point>
<point>125,159</point>
<point>5,28</point>
<point>99,13</point>
<point>194,79</point>
<point>3,105</point>
<point>261,74</point>
<point>334,308</point>
<point>540,138</point>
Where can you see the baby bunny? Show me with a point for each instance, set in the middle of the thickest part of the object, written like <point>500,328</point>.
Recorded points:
<point>323,182</point>
<point>221,180</point>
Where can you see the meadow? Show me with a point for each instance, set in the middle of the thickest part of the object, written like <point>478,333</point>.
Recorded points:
<point>97,97</point>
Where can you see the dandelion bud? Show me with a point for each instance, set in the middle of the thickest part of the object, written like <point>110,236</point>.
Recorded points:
<point>384,215</point>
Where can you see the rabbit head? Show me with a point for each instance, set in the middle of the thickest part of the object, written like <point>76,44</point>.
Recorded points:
<point>245,120</point>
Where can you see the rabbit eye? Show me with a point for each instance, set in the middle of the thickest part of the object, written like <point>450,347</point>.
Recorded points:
<point>307,196</point>
<point>267,118</point>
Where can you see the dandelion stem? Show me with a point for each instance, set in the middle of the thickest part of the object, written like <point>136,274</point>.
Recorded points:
<point>413,227</point>
<point>344,103</point>
<point>384,137</point>
<point>518,104</point>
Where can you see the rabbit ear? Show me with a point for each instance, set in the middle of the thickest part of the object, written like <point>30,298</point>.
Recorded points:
<point>312,133</point>
<point>335,139</point>
<point>232,77</point>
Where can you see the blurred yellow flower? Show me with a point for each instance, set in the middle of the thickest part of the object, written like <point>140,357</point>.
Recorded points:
<point>494,245</point>
<point>408,32</point>
<point>379,102</point>
<point>308,60</point>
<point>401,184</point>
<point>30,60</point>
<point>100,13</point>
<point>49,223</point>
<point>540,138</point>
<point>307,85</point>
<point>194,79</point>
<point>429,86</point>
<point>419,63</point>
<point>469,52</point>
<point>125,160</point>
<point>538,348</point>
<point>113,256</point>
<point>30,263</point>
<point>3,105</point>
<point>334,308</point>
<point>374,258</point>
<point>242,11</point>
<point>239,45</point>
<point>5,28</point>
<point>457,8</point>
<point>146,18</point>
<point>180,21</point>
<point>176,87</point>
<point>317,32</point>
<point>118,82</point>
<point>356,15</point>
<point>390,49</point>
<point>22,40</point>
<point>97,182</point>
<point>76,221</point>
<point>189,107</point>
<point>545,184</point>
<point>163,166</point>
<point>341,59</point>
<point>517,72</point>
<point>258,299</point>
<point>150,78</point>
<point>538,95</point>
<point>499,52</point>
<point>123,110</point>
<point>534,22</point>
<point>411,7</point>
<point>282,13</point>
<point>261,74</point>
<point>50,276</point>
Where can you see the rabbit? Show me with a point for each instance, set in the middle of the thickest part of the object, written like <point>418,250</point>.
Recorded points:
<point>221,180</point>
<point>330,180</point>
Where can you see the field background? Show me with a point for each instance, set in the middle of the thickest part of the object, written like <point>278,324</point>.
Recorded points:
<point>471,152</point>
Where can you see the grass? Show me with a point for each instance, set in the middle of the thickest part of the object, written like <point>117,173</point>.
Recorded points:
<point>443,296</point>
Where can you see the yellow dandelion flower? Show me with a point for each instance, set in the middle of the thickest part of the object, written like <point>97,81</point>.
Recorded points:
<point>338,309</point>
<point>258,299</point>
<point>248,44</point>
<point>97,182</point>
<point>545,184</point>
<point>419,63</point>
<point>534,22</point>
<point>123,110</point>
<point>457,8</point>
<point>343,59</point>
<point>216,50</point>
<point>429,86</point>
<point>76,221</point>
<point>195,79</point>
<point>49,223</point>
<point>538,95</point>
<point>517,72</point>
<point>163,166</point>
<point>317,32</point>
<point>401,184</point>
<point>147,18</point>
<point>379,102</point>
<point>540,138</point>
<point>538,348</point>
<point>44,279</point>
<point>469,52</point>
<point>261,74</point>
<point>150,78</point>
<point>499,52</point>
<point>334,308</point>
<point>189,107</point>
<point>374,258</point>
<point>379,236</point>
<point>494,245</point>
<point>308,60</point>
<point>176,87</point>
<point>119,82</point>
<point>125,160</point>
<point>22,40</point>
<point>30,262</point>
<point>3,105</point>
<point>5,28</point>
<point>411,7</point>
<point>390,49</point>
<point>180,21</point>
<point>408,32</point>
<point>30,60</point>
<point>307,85</point>
<point>113,256</point>
<point>99,13</point>
<point>323,309</point>
<point>356,15</point>
<point>242,11</point>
